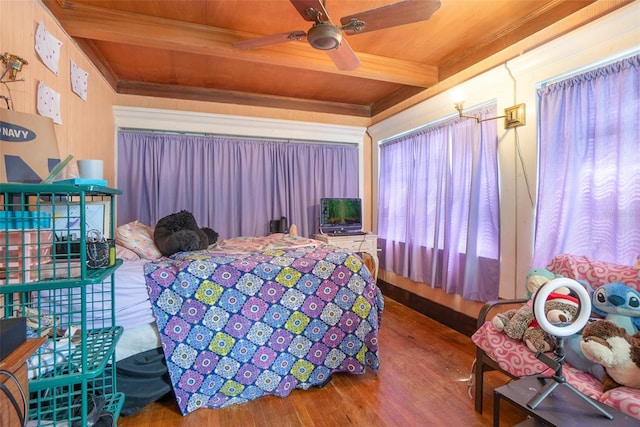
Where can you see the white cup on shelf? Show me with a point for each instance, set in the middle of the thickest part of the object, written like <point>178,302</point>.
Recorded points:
<point>90,168</point>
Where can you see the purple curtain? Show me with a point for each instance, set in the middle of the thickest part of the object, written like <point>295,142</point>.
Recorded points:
<point>438,216</point>
<point>233,186</point>
<point>589,166</point>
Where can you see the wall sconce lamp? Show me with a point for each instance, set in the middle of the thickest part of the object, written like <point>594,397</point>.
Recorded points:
<point>13,64</point>
<point>513,116</point>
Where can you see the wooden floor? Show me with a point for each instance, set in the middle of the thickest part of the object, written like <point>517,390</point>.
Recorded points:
<point>422,381</point>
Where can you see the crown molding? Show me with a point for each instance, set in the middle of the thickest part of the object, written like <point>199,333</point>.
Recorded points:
<point>241,126</point>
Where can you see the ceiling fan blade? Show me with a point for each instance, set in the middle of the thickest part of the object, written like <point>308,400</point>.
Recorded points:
<point>270,40</point>
<point>344,57</point>
<point>392,15</point>
<point>303,5</point>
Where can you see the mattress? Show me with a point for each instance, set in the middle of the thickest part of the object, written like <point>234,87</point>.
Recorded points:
<point>132,305</point>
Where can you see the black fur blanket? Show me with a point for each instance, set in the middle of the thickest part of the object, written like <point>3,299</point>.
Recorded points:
<point>180,232</point>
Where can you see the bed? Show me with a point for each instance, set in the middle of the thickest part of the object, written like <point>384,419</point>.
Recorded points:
<point>247,317</point>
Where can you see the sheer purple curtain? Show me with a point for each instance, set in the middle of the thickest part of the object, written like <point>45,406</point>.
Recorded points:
<point>589,165</point>
<point>234,186</point>
<point>438,215</point>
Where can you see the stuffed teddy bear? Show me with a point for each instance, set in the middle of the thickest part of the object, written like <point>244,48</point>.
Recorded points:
<point>615,302</point>
<point>520,323</point>
<point>536,278</point>
<point>180,232</point>
<point>610,345</point>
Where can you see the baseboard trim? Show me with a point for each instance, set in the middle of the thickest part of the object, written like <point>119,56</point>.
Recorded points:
<point>453,319</point>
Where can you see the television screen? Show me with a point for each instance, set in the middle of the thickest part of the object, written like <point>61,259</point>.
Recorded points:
<point>339,215</point>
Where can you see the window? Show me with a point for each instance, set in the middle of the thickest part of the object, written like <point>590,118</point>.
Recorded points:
<point>438,219</point>
<point>234,186</point>
<point>589,165</point>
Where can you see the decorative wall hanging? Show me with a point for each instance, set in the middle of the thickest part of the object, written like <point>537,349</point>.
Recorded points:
<point>48,48</point>
<point>79,80</point>
<point>49,102</point>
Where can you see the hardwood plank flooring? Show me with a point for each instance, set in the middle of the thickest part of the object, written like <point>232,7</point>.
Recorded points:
<point>422,381</point>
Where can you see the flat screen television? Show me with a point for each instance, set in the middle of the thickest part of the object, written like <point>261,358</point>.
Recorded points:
<point>340,215</point>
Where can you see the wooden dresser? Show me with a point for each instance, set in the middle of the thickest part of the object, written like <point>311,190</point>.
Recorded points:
<point>16,363</point>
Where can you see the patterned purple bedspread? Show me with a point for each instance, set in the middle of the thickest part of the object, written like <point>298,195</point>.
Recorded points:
<point>237,327</point>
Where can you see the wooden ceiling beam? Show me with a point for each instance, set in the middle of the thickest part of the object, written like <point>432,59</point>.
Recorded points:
<point>240,98</point>
<point>96,23</point>
<point>99,61</point>
<point>516,31</point>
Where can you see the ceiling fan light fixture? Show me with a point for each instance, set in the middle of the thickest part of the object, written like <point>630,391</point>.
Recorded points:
<point>324,36</point>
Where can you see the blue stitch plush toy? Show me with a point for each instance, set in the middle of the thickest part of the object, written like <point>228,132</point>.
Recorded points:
<point>618,303</point>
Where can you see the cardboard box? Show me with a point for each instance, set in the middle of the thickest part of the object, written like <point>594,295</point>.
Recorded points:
<point>28,146</point>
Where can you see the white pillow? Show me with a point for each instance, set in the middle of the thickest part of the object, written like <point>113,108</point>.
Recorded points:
<point>138,237</point>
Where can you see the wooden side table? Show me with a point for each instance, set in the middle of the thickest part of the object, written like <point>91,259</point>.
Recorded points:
<point>561,408</point>
<point>366,243</point>
<point>16,363</point>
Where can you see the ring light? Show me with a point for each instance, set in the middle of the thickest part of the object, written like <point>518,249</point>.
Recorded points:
<point>541,298</point>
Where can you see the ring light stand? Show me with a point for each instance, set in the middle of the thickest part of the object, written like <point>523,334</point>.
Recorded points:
<point>560,333</point>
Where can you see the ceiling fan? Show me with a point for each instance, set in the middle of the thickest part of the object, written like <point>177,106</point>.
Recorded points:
<point>324,35</point>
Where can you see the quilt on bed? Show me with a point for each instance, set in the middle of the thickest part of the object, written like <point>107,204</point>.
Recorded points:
<point>235,327</point>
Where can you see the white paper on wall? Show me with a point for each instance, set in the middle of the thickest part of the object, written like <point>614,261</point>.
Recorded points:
<point>49,102</point>
<point>48,48</point>
<point>79,79</point>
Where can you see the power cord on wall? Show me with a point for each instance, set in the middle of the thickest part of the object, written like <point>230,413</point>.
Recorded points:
<point>518,148</point>
<point>21,414</point>
<point>524,169</point>
<point>7,99</point>
<point>524,173</point>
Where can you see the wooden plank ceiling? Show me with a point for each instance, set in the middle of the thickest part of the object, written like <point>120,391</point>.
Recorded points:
<point>183,49</point>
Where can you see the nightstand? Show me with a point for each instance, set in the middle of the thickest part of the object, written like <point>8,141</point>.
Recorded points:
<point>364,243</point>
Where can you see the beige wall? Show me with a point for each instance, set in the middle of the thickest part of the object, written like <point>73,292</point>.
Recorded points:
<point>87,126</point>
